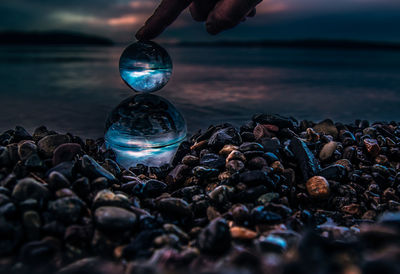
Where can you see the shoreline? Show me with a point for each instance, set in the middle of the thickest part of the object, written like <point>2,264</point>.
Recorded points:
<point>274,195</point>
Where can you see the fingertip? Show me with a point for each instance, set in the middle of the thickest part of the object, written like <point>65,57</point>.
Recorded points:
<point>212,28</point>
<point>139,35</point>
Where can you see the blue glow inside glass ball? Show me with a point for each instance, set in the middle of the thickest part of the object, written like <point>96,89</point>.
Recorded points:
<point>145,66</point>
<point>145,129</point>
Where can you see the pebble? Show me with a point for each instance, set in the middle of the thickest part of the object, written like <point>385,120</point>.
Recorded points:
<point>57,181</point>
<point>326,127</point>
<point>190,160</point>
<point>215,238</point>
<point>242,233</point>
<point>273,119</point>
<point>223,137</point>
<point>30,188</point>
<point>318,187</point>
<point>234,166</point>
<point>309,165</point>
<point>261,215</point>
<point>26,149</point>
<point>227,202</point>
<point>114,219</point>
<point>154,188</point>
<point>106,197</point>
<point>204,172</point>
<point>92,169</point>
<point>212,160</point>
<point>174,206</point>
<point>227,149</point>
<point>66,152</point>
<point>372,147</point>
<point>327,151</point>
<point>49,143</point>
<point>67,210</point>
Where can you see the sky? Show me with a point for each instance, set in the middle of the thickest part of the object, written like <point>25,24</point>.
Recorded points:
<point>376,20</point>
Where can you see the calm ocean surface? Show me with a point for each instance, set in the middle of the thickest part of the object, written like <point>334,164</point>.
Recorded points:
<point>72,89</point>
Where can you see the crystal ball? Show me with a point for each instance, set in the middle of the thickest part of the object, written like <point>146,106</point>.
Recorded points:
<point>144,129</point>
<point>145,66</point>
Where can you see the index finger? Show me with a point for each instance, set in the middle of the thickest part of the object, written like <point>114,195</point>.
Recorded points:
<point>163,16</point>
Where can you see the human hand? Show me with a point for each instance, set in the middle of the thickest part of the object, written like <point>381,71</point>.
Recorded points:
<point>219,15</point>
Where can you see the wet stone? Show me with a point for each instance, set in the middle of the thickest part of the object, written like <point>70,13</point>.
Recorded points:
<point>204,172</point>
<point>92,169</point>
<point>326,127</point>
<point>57,181</point>
<point>372,147</point>
<point>251,147</point>
<point>26,149</point>
<point>251,194</point>
<point>227,149</point>
<point>256,163</point>
<point>177,175</point>
<point>4,157</point>
<point>154,188</point>
<point>223,137</point>
<point>174,206</point>
<point>66,152</point>
<point>48,144</point>
<point>65,168</point>
<point>215,238</point>
<point>318,187</point>
<point>267,198</point>
<point>30,188</point>
<point>108,198</point>
<point>212,160</point>
<point>333,172</point>
<point>39,133</point>
<point>20,134</point>
<point>261,215</point>
<point>307,162</point>
<point>34,162</point>
<point>236,155</point>
<point>114,219</point>
<point>190,160</point>
<point>242,233</point>
<point>234,166</point>
<point>255,177</point>
<point>32,223</point>
<point>327,151</point>
<point>220,194</point>
<point>272,243</point>
<point>67,209</point>
<point>273,119</point>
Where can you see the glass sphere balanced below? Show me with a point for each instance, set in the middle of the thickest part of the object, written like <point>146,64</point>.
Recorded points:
<point>145,128</point>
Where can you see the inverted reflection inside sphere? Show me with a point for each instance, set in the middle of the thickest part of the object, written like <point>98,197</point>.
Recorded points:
<point>145,66</point>
<point>146,129</point>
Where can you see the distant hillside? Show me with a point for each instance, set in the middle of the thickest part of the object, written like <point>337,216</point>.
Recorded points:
<point>51,38</point>
<point>309,43</point>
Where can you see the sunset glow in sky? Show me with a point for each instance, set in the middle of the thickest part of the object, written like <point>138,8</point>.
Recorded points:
<point>275,19</point>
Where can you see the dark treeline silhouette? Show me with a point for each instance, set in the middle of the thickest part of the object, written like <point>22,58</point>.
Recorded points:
<point>51,38</point>
<point>307,43</point>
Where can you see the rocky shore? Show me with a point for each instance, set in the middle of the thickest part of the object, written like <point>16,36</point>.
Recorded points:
<point>274,196</point>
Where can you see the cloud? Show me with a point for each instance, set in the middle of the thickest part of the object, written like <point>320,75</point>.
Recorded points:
<point>275,19</point>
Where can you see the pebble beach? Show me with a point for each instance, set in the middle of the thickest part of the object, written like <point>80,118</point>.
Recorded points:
<point>275,195</point>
